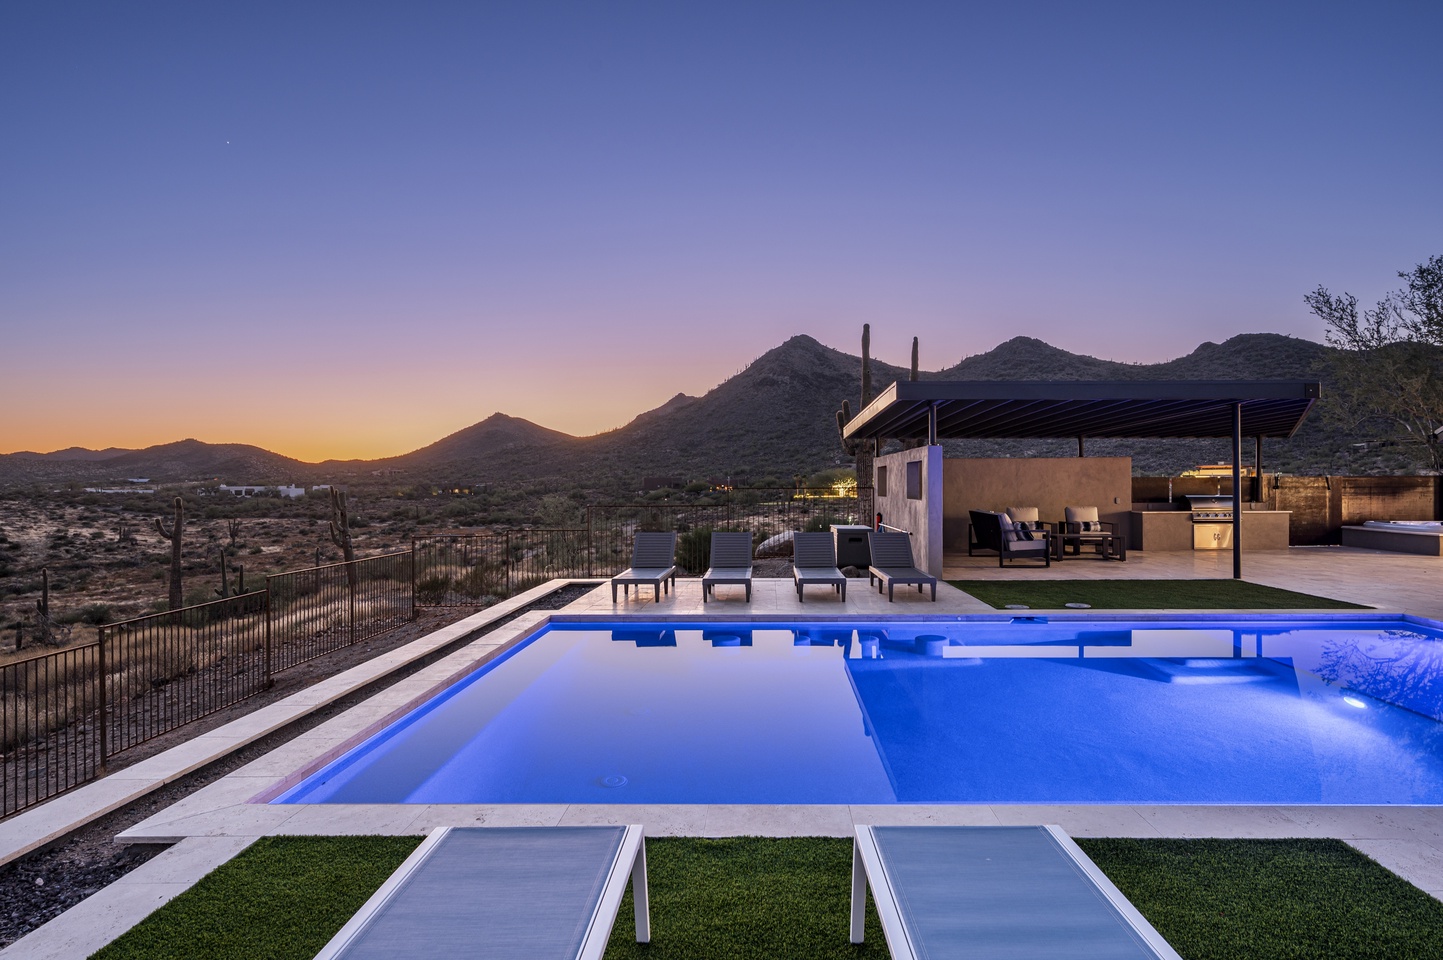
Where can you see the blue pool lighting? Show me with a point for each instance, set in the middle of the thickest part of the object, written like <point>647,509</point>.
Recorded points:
<point>1080,710</point>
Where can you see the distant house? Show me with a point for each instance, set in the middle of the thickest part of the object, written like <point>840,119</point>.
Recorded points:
<point>649,484</point>
<point>290,492</point>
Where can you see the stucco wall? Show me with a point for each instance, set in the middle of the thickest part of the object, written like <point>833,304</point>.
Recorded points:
<point>1047,483</point>
<point>897,510</point>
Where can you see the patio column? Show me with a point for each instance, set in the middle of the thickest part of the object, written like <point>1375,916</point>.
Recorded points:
<point>1257,484</point>
<point>1237,490</point>
<point>1081,450</point>
<point>932,425</point>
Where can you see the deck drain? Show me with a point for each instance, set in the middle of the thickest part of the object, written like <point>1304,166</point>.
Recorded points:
<point>615,780</point>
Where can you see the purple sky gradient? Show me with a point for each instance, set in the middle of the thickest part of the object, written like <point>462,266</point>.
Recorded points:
<point>346,230</point>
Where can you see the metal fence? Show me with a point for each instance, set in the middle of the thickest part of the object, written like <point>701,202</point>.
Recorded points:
<point>476,568</point>
<point>49,738</point>
<point>64,713</point>
<point>168,669</point>
<point>765,513</point>
<point>321,609</point>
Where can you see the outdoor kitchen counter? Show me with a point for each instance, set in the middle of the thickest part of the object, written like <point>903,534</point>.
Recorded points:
<point>1173,529</point>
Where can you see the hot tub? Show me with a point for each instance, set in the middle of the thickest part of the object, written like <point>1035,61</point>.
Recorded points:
<point>1422,537</point>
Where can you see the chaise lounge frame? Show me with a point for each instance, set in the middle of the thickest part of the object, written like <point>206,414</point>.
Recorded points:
<point>892,563</point>
<point>511,892</point>
<point>814,561</point>
<point>653,561</point>
<point>988,893</point>
<point>731,563</point>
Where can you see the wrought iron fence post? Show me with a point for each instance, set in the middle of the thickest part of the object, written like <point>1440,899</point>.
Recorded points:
<point>353,584</point>
<point>413,579</point>
<point>590,548</point>
<point>266,657</point>
<point>507,562</point>
<point>101,701</point>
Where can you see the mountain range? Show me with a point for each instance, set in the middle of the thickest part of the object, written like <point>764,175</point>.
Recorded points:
<point>776,417</point>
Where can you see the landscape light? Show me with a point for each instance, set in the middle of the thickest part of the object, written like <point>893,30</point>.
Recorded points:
<point>1353,700</point>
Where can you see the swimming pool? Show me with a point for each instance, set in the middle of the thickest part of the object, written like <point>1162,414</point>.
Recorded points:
<point>1026,710</point>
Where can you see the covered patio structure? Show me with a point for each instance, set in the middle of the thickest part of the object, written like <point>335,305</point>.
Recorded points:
<point>909,483</point>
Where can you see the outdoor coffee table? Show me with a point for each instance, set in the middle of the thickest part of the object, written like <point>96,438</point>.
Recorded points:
<point>1110,546</point>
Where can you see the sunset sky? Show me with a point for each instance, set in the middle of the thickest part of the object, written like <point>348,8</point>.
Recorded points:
<point>346,230</point>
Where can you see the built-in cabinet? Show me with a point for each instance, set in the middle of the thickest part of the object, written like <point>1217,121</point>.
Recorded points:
<point>1175,530</point>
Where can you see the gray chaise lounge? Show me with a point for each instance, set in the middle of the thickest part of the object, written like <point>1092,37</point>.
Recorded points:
<point>653,561</point>
<point>529,893</point>
<point>814,560</point>
<point>994,893</point>
<point>892,563</point>
<point>731,563</point>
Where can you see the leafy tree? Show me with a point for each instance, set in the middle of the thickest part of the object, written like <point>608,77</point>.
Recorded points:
<point>1388,370</point>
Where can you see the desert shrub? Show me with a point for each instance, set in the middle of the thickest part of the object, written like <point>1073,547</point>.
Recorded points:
<point>432,588</point>
<point>95,614</point>
<point>818,524</point>
<point>693,550</point>
<point>483,580</point>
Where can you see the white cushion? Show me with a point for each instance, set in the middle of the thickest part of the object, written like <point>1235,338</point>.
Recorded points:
<point>1079,514</point>
<point>1027,515</point>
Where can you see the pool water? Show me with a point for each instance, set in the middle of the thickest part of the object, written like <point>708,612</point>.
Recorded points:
<point>1020,711</point>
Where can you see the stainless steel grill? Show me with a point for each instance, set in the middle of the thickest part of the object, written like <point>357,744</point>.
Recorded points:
<point>1207,508</point>
<point>1212,518</point>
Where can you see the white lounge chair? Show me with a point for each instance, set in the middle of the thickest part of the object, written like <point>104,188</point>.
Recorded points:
<point>814,560</point>
<point>892,563</point>
<point>988,893</point>
<point>653,561</point>
<point>529,893</point>
<point>731,563</point>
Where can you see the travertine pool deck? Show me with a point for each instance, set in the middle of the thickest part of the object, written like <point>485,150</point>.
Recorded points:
<point>213,824</point>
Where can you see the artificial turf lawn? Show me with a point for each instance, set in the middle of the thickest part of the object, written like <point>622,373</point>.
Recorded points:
<point>280,897</point>
<point>1235,899</point>
<point>1145,595</point>
<point>788,898</point>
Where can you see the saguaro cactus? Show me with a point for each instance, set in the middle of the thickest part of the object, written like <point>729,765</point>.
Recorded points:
<point>860,449</point>
<point>844,415</point>
<point>174,534</point>
<point>921,441</point>
<point>341,532</point>
<point>224,590</point>
<point>232,527</point>
<point>42,606</point>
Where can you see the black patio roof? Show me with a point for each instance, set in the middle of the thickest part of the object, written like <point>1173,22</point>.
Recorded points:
<point>1085,408</point>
